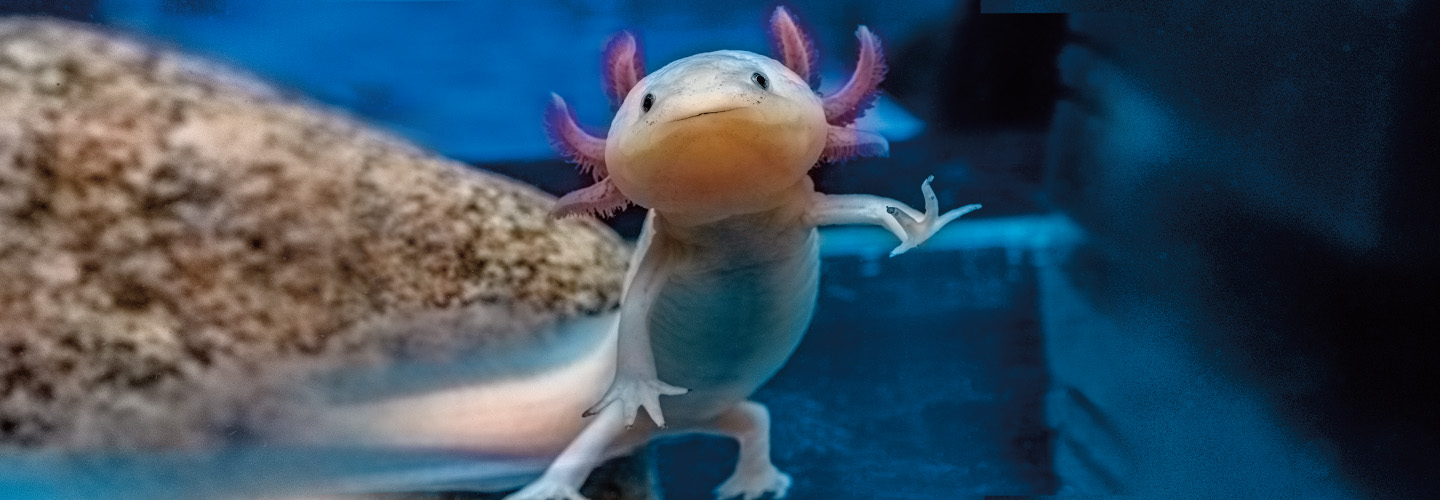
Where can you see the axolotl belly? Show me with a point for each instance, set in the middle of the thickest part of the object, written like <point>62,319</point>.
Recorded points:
<point>733,311</point>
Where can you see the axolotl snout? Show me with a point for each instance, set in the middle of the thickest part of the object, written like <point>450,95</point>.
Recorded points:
<point>715,135</point>
<point>723,283</point>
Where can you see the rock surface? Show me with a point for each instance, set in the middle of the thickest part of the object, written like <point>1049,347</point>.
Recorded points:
<point>180,244</point>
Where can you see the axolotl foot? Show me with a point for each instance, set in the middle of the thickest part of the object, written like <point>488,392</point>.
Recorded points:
<point>921,226</point>
<point>633,392</point>
<point>753,484</point>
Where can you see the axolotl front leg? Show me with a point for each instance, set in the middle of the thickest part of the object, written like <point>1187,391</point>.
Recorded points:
<point>636,385</point>
<point>911,226</point>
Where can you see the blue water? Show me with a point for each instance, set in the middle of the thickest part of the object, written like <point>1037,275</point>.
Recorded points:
<point>1247,200</point>
<point>470,79</point>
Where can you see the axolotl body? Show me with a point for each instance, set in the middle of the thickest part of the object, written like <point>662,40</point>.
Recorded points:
<point>719,291</point>
<point>724,280</point>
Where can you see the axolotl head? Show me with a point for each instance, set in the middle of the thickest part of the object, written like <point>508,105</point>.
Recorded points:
<point>716,134</point>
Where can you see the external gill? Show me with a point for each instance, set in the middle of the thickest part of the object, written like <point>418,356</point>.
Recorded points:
<point>798,53</point>
<point>858,94</point>
<point>588,153</point>
<point>797,50</point>
<point>623,65</point>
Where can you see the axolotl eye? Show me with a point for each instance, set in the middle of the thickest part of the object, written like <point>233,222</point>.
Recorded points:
<point>760,80</point>
<point>646,103</point>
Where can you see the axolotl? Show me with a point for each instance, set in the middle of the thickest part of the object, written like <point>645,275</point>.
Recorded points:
<point>723,283</point>
<point>718,293</point>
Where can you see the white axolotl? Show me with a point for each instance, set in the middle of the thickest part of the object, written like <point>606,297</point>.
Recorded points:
<point>722,286</point>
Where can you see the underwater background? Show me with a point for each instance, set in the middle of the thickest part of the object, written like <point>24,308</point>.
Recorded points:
<point>1203,269</point>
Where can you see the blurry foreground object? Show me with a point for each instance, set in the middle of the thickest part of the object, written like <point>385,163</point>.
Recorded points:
<point>183,249</point>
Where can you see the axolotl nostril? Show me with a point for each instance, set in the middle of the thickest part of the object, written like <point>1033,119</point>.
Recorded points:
<point>723,283</point>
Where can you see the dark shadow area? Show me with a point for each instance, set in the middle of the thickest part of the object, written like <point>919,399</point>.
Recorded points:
<point>1270,196</point>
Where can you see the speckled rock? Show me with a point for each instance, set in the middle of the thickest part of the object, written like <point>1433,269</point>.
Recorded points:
<point>179,244</point>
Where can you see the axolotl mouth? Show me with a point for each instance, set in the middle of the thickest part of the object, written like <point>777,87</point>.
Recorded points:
<point>707,113</point>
